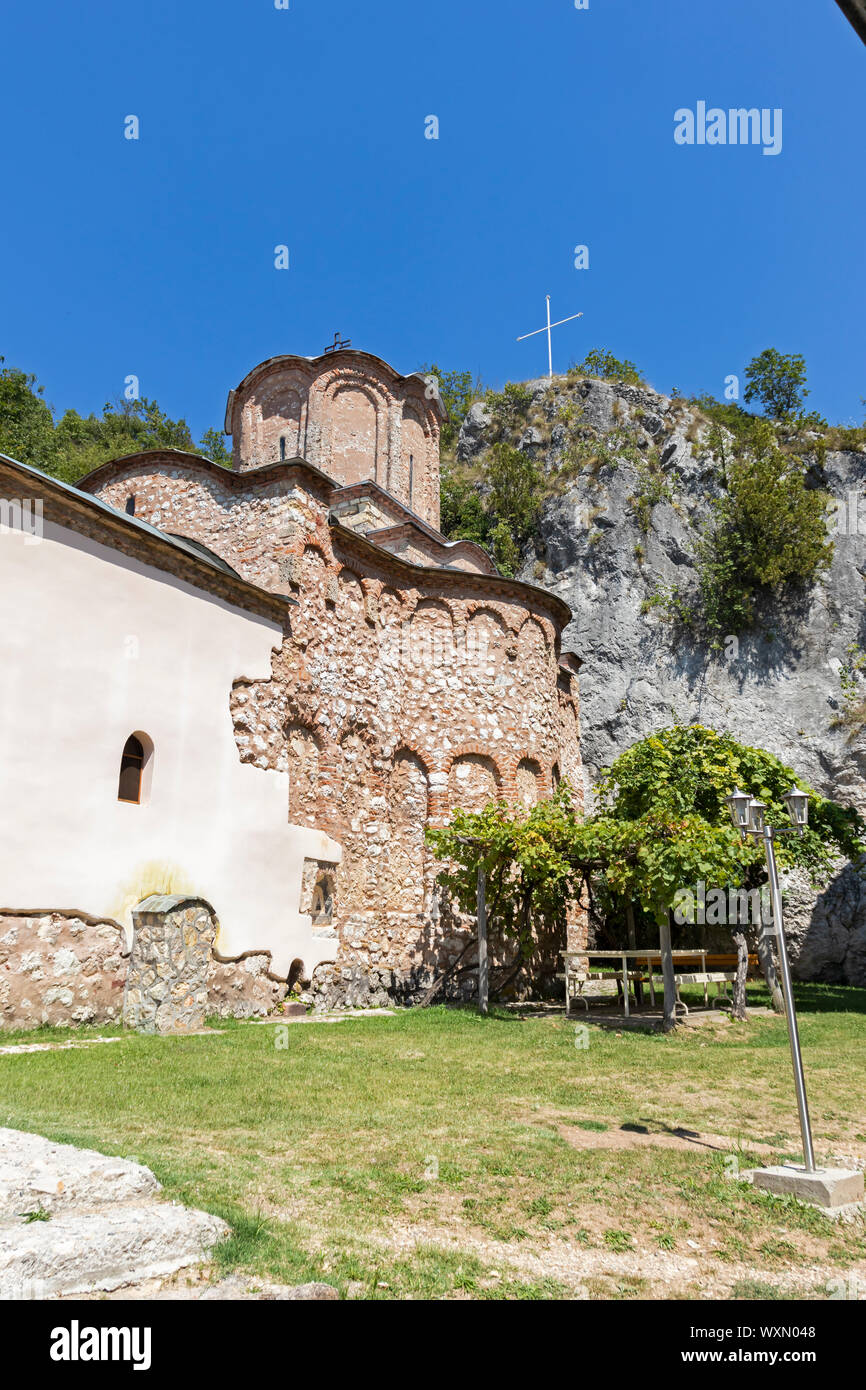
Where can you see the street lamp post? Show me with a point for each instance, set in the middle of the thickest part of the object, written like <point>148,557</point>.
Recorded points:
<point>748,817</point>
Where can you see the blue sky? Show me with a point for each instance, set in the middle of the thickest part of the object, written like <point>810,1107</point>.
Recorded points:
<point>305,127</point>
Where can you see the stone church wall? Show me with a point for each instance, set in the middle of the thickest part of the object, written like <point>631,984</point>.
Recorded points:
<point>394,697</point>
<point>389,705</point>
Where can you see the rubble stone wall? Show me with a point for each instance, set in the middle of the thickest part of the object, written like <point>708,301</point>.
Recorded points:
<point>390,705</point>
<point>60,970</point>
<point>63,969</point>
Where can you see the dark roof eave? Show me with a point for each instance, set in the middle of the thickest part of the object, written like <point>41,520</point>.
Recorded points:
<point>235,477</point>
<point>150,537</point>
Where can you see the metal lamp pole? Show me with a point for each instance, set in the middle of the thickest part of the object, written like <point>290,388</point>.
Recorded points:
<point>747,815</point>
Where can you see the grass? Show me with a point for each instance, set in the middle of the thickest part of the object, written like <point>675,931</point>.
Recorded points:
<point>437,1154</point>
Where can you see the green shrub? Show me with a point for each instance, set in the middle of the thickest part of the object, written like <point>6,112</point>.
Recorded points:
<point>510,404</point>
<point>601,363</point>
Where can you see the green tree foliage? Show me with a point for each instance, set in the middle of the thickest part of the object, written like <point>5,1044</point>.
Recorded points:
<point>462,514</point>
<point>778,381</point>
<point>602,363</point>
<point>457,391</point>
<point>684,774</point>
<point>26,422</point>
<point>767,531</point>
<point>503,514</point>
<point>515,482</point>
<point>76,444</point>
<point>661,826</point>
<point>213,446</point>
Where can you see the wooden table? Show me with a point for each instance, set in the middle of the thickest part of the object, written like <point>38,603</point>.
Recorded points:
<point>622,974</point>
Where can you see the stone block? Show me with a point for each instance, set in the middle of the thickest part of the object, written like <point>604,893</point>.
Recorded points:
<point>827,1187</point>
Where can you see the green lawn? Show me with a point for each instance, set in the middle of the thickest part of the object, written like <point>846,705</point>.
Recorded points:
<point>438,1154</point>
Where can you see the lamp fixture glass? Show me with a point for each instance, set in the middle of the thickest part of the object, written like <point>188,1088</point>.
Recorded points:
<point>738,804</point>
<point>797,803</point>
<point>757,812</point>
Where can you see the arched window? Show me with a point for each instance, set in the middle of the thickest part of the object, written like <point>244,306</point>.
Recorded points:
<point>135,767</point>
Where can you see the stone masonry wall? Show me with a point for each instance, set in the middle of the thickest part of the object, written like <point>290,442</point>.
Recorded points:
<point>388,706</point>
<point>166,983</point>
<point>63,969</point>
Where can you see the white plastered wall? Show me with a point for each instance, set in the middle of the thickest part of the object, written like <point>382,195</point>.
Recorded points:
<point>95,646</point>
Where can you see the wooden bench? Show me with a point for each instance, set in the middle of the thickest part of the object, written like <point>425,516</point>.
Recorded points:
<point>705,978</point>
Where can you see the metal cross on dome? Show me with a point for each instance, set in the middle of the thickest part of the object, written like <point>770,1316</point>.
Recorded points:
<point>338,343</point>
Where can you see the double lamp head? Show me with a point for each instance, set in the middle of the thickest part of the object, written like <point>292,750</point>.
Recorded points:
<point>748,814</point>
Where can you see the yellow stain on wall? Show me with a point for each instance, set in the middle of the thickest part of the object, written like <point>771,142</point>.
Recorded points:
<point>154,876</point>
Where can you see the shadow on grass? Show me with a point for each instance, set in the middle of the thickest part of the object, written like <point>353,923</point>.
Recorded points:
<point>829,999</point>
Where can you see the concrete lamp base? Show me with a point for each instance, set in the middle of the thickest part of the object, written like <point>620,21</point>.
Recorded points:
<point>827,1187</point>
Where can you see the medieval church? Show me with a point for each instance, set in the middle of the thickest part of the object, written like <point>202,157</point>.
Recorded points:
<point>254,687</point>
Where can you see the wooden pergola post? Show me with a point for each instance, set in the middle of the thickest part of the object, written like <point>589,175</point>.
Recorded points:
<point>483,967</point>
<point>632,946</point>
<point>670,1006</point>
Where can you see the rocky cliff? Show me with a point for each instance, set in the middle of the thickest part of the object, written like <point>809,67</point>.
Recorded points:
<point>630,481</point>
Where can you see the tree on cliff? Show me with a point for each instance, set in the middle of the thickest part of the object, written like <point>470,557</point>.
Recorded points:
<point>778,381</point>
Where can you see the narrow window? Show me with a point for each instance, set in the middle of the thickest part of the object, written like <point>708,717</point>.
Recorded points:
<point>130,506</point>
<point>411,476</point>
<point>282,447</point>
<point>131,764</point>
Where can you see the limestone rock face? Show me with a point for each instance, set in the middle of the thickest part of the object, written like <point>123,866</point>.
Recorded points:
<point>777,687</point>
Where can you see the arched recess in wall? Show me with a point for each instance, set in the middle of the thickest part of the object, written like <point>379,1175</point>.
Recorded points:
<point>278,410</point>
<point>473,781</point>
<point>532,643</point>
<point>409,792</point>
<point>528,782</point>
<point>312,577</point>
<point>430,637</point>
<point>413,465</point>
<point>536,671</point>
<point>408,804</point>
<point>487,639</point>
<point>354,434</point>
<point>303,758</point>
<point>389,628</point>
<point>136,769</point>
<point>314,567</point>
<point>360,782</point>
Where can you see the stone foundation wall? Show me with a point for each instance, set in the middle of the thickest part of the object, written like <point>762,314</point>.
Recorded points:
<point>60,969</point>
